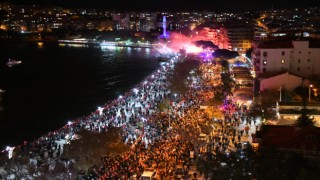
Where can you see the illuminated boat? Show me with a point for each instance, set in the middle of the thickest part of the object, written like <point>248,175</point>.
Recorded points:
<point>12,62</point>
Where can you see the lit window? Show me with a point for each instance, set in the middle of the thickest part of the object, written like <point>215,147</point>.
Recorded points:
<point>264,62</point>
<point>282,61</point>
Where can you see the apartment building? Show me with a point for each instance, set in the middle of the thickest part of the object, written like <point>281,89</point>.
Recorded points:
<point>300,57</point>
<point>236,37</point>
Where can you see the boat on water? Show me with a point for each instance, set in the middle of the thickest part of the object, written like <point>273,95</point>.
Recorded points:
<point>12,62</point>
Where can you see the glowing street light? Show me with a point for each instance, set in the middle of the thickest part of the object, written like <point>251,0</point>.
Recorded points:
<point>144,85</point>
<point>310,86</point>
<point>10,151</point>
<point>100,109</point>
<point>135,90</point>
<point>69,123</point>
<point>120,97</point>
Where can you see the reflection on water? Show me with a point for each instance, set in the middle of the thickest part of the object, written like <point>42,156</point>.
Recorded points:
<point>55,84</point>
<point>73,45</point>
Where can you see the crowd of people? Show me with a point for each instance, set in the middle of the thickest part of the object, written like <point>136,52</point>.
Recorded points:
<point>157,140</point>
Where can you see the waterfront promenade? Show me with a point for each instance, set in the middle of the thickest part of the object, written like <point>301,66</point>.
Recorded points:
<point>160,145</point>
<point>93,42</point>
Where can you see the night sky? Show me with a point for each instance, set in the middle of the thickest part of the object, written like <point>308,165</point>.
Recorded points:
<point>177,5</point>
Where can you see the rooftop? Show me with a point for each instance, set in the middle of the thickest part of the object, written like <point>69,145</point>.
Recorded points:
<point>276,44</point>
<point>292,111</point>
<point>299,103</point>
<point>287,43</point>
<point>273,74</point>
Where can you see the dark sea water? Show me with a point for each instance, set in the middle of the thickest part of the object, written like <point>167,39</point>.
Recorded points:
<point>56,84</point>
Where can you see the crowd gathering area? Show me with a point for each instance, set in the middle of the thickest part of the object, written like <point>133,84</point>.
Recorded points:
<point>158,139</point>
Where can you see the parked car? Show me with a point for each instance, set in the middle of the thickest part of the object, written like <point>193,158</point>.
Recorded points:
<point>148,174</point>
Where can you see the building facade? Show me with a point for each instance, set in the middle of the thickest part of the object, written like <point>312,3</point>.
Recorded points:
<point>236,38</point>
<point>285,81</point>
<point>300,57</point>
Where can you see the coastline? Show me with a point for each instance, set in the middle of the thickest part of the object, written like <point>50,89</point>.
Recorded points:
<point>35,92</point>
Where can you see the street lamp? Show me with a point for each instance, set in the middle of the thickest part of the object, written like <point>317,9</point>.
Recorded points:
<point>310,86</point>
<point>169,117</point>
<point>10,151</point>
<point>280,94</point>
<point>100,109</point>
<point>136,90</point>
<point>144,85</point>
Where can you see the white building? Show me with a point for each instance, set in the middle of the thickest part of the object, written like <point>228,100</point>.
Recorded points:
<point>301,57</point>
<point>285,80</point>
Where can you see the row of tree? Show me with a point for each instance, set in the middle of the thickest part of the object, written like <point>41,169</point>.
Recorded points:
<point>257,164</point>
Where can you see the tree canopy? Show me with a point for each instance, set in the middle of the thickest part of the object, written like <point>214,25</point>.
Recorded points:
<point>91,146</point>
<point>225,54</point>
<point>304,119</point>
<point>256,164</point>
<point>206,44</point>
<point>178,81</point>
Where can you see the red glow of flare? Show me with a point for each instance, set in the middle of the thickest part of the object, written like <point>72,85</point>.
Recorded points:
<point>178,41</point>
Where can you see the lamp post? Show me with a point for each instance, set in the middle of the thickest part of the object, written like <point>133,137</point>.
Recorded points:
<point>169,116</point>
<point>212,133</point>
<point>280,94</point>
<point>310,86</point>
<point>144,85</point>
